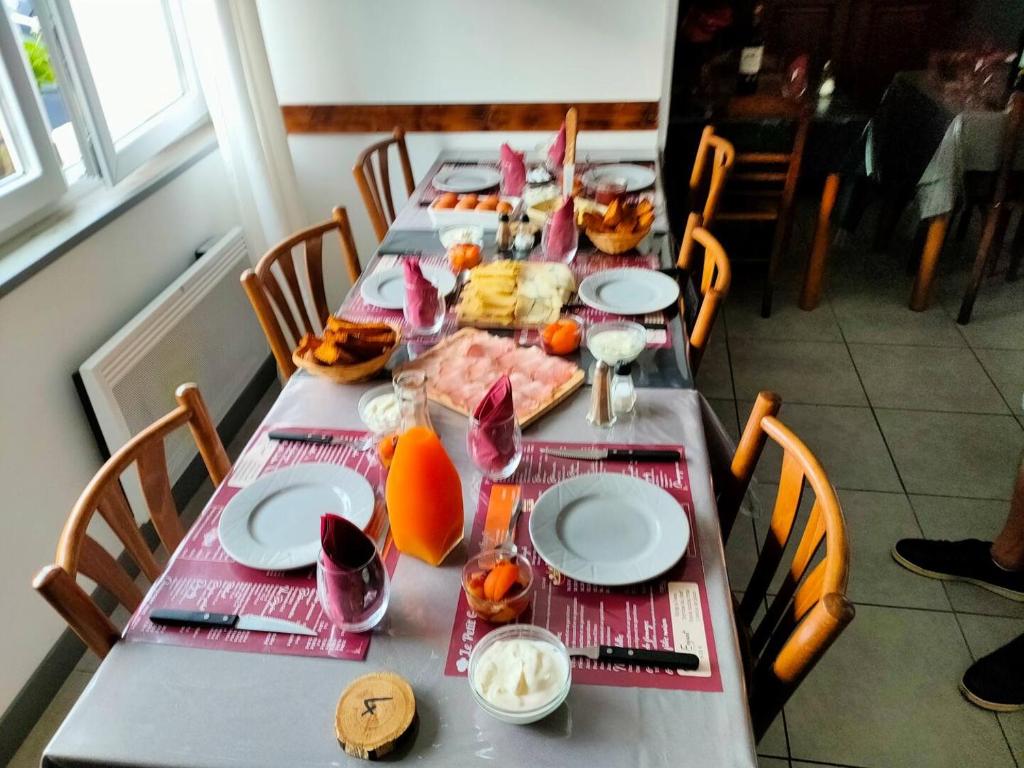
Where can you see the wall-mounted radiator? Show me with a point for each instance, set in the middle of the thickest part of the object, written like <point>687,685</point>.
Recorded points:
<point>201,329</point>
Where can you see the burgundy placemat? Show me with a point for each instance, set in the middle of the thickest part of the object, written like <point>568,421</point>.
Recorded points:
<point>670,613</point>
<point>201,576</point>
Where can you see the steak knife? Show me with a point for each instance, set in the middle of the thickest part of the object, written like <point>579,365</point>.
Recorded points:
<point>315,438</point>
<point>175,618</point>
<point>613,654</point>
<point>614,454</point>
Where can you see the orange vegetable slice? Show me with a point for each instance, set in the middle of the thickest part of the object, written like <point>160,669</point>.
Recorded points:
<point>500,580</point>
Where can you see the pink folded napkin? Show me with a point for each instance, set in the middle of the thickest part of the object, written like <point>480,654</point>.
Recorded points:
<point>556,154</point>
<point>420,295</point>
<point>513,171</point>
<point>562,234</point>
<point>344,545</point>
<point>492,437</point>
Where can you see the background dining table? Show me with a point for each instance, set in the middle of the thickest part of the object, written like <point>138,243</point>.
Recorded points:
<point>153,705</point>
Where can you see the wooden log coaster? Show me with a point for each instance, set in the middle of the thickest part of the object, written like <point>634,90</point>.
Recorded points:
<point>373,713</point>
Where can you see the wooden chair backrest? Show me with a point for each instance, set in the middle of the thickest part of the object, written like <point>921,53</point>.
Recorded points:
<point>274,287</point>
<point>78,553</point>
<point>373,177</point>
<point>711,168</point>
<point>810,609</point>
<point>715,276</point>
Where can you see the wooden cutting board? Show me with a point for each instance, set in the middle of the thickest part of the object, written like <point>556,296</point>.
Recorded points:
<point>373,713</point>
<point>441,349</point>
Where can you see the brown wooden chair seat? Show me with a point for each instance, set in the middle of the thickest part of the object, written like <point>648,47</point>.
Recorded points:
<point>810,608</point>
<point>79,554</point>
<point>373,177</point>
<point>712,276</point>
<point>276,291</point>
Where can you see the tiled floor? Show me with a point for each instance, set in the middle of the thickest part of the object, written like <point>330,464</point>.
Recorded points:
<point>31,750</point>
<point>919,424</point>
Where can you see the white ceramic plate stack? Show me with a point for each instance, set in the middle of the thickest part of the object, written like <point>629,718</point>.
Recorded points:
<point>609,529</point>
<point>274,523</point>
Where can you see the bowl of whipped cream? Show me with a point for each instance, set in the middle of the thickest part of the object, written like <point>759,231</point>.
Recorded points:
<point>520,673</point>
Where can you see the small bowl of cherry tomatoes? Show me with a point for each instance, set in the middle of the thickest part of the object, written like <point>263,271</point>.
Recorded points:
<point>498,585</point>
<point>563,336</point>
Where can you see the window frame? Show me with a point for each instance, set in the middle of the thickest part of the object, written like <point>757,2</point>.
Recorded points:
<point>40,183</point>
<point>111,160</point>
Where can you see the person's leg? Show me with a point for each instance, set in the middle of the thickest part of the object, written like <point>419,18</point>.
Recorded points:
<point>1008,548</point>
<point>997,567</point>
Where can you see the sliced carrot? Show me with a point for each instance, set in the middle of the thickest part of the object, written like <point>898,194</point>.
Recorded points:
<point>500,580</point>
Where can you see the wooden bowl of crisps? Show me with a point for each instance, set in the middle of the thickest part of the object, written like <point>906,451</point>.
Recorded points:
<point>348,352</point>
<point>621,227</point>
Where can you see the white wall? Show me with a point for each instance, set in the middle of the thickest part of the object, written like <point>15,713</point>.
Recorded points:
<point>455,51</point>
<point>48,326</point>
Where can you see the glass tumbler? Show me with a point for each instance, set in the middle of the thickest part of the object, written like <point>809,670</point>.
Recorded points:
<point>496,448</point>
<point>428,320</point>
<point>353,593</point>
<point>551,254</point>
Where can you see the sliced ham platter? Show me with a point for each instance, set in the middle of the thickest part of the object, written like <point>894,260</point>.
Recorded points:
<point>462,367</point>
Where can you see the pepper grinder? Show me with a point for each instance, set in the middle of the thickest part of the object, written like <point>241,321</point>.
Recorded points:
<point>601,413</point>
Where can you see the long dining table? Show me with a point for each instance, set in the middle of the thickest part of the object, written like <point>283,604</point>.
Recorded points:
<point>161,705</point>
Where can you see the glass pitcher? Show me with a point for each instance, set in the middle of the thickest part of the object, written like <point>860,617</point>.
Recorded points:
<point>411,393</point>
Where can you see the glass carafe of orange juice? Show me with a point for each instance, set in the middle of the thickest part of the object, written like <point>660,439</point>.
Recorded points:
<point>411,393</point>
<point>424,496</point>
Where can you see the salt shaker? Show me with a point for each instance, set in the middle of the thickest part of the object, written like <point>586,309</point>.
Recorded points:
<point>601,413</point>
<point>523,241</point>
<point>503,236</point>
<point>623,391</point>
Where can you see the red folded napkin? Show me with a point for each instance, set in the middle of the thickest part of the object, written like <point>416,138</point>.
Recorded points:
<point>492,438</point>
<point>513,171</point>
<point>344,545</point>
<point>420,295</point>
<point>562,234</point>
<point>556,153</point>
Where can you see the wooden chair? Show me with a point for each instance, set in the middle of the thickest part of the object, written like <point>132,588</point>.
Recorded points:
<point>1004,201</point>
<point>711,169</point>
<point>762,186</point>
<point>810,609</point>
<point>78,553</point>
<point>275,290</point>
<point>715,276</point>
<point>373,177</point>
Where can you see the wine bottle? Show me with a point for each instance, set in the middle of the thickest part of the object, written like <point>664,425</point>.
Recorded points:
<point>752,54</point>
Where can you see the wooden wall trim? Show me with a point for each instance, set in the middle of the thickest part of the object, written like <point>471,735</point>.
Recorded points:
<point>439,118</point>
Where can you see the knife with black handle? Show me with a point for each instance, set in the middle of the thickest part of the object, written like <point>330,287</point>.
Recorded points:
<point>615,655</point>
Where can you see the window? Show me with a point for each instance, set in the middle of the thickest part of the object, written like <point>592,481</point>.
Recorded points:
<point>88,88</point>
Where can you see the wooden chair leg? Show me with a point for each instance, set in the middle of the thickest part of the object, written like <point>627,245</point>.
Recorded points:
<point>814,276</point>
<point>921,293</point>
<point>1016,251</point>
<point>988,236</point>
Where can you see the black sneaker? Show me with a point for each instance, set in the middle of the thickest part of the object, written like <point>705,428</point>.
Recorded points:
<point>996,682</point>
<point>969,560</point>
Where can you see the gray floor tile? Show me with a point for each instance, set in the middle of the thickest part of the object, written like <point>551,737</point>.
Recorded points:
<point>30,753</point>
<point>875,521</point>
<point>787,323</point>
<point>800,371</point>
<point>725,410</point>
<point>985,634</point>
<point>714,377</point>
<point>878,314</point>
<point>885,694</point>
<point>772,762</point>
<point>954,454</point>
<point>954,519</point>
<point>846,441</point>
<point>773,743</point>
<point>997,321</point>
<point>1006,367</point>
<point>925,378</point>
<point>741,552</point>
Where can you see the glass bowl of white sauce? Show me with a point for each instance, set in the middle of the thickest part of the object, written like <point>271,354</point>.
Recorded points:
<point>616,341</point>
<point>378,409</point>
<point>520,673</point>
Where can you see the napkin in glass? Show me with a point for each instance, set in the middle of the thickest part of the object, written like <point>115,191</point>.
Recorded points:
<point>492,438</point>
<point>344,545</point>
<point>513,171</point>
<point>421,296</point>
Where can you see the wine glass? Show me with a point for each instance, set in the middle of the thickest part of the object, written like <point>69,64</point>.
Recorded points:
<point>353,585</point>
<point>428,316</point>
<point>496,447</point>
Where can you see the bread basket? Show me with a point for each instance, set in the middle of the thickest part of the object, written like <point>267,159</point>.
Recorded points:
<point>615,242</point>
<point>347,374</point>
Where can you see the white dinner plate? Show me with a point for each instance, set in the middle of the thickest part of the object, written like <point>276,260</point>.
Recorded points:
<point>274,523</point>
<point>629,291</point>
<point>637,177</point>
<point>609,529</point>
<point>466,178</point>
<point>385,288</point>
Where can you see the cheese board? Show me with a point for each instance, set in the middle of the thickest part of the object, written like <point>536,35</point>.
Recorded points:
<point>462,367</point>
<point>514,294</point>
